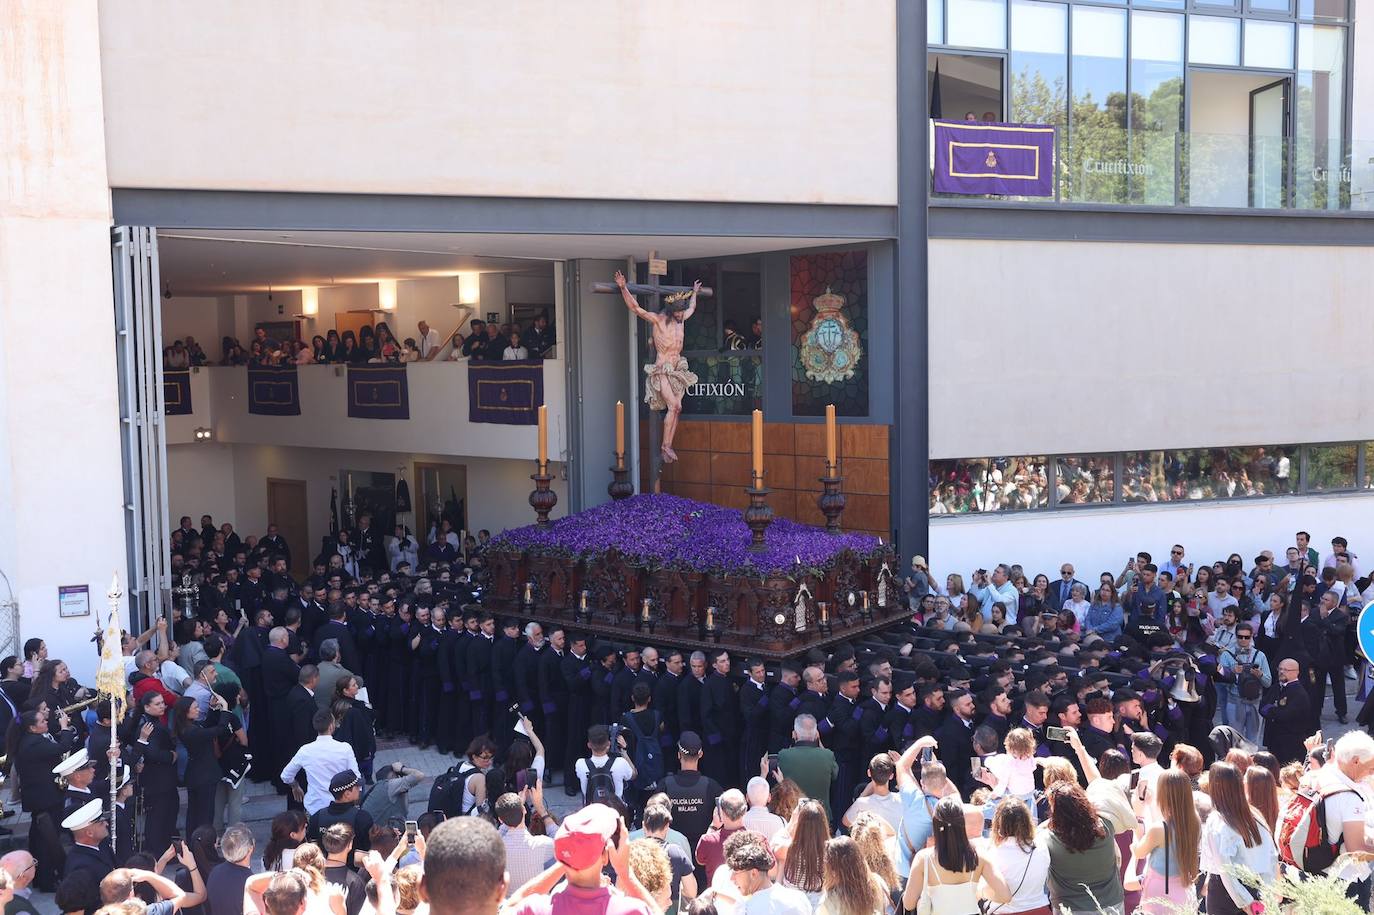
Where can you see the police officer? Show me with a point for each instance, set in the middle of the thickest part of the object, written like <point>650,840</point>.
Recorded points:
<point>1288,716</point>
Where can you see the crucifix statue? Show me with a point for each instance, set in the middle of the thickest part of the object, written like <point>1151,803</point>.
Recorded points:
<point>668,379</point>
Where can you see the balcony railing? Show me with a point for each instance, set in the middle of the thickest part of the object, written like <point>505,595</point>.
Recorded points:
<point>1118,167</point>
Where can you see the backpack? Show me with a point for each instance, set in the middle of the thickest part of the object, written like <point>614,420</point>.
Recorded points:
<point>447,794</point>
<point>1302,838</point>
<point>648,755</point>
<point>600,782</point>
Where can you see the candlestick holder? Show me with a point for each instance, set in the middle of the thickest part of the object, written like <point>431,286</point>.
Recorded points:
<point>758,515</point>
<point>582,612</point>
<point>824,623</point>
<point>542,499</point>
<point>527,599</point>
<point>709,629</point>
<point>865,611</point>
<point>620,486</point>
<point>831,499</point>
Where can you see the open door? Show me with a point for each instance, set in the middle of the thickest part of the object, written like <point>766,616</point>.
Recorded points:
<point>142,406</point>
<point>1269,120</point>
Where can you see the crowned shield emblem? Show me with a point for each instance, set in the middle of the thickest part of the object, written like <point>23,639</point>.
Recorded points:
<point>830,348</point>
<point>991,160</point>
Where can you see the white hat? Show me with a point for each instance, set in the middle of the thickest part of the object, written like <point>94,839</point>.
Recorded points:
<point>84,815</point>
<point>71,763</point>
<point>122,778</point>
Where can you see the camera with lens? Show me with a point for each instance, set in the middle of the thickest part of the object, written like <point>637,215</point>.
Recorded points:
<point>615,736</point>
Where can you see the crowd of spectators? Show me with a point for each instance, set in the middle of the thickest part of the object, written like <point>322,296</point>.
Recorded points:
<point>376,345</point>
<point>1015,745</point>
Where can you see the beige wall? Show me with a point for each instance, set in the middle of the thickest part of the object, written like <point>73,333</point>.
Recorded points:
<point>1053,347</point>
<point>61,521</point>
<point>769,100</point>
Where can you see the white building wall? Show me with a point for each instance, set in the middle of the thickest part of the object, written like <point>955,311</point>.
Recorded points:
<point>61,520</point>
<point>770,100</point>
<point>1062,347</point>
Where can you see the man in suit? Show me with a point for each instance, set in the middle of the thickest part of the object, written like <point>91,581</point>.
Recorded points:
<point>1289,718</point>
<point>625,679</point>
<point>301,709</point>
<point>720,720</point>
<point>330,673</point>
<point>603,679</point>
<point>955,738</point>
<point>337,629</point>
<point>274,544</point>
<point>840,731</point>
<point>1062,589</point>
<point>525,674</point>
<point>784,704</point>
<point>689,693</point>
<point>873,720</point>
<point>553,702</point>
<point>280,675</point>
<point>576,671</point>
<point>503,652</point>
<point>454,728</point>
<point>367,546</point>
<point>665,700</point>
<point>901,726</point>
<point>1332,621</point>
<point>479,672</point>
<point>930,711</point>
<point>754,715</point>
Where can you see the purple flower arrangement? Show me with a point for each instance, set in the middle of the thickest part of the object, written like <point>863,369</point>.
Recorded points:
<point>660,531</point>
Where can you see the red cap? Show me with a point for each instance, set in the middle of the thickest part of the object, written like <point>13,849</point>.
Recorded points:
<point>583,836</point>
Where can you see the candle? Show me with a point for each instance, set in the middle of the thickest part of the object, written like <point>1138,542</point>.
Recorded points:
<point>583,600</point>
<point>864,595</point>
<point>825,611</point>
<point>758,448</point>
<point>529,592</point>
<point>644,611</point>
<point>543,437</point>
<point>710,611</point>
<point>619,435</point>
<point>830,462</point>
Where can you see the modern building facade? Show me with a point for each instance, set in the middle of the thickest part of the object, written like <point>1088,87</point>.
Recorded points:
<point>1172,348</point>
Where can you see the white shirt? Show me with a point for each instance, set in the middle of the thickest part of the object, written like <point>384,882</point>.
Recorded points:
<point>515,353</point>
<point>429,343</point>
<point>1342,809</point>
<point>321,760</point>
<point>621,772</point>
<point>763,821</point>
<point>888,806</point>
<point>1026,873</point>
<point>776,900</point>
<point>1222,848</point>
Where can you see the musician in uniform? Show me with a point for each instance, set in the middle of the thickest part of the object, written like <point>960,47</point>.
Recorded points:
<point>33,752</point>
<point>90,851</point>
<point>75,773</point>
<point>1288,718</point>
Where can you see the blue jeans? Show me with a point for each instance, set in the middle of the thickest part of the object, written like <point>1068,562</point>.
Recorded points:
<point>1245,718</point>
<point>1226,698</point>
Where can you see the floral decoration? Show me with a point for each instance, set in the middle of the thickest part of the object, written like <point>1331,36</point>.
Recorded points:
<point>663,531</point>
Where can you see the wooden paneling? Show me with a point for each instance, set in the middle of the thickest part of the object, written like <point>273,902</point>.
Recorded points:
<point>714,466</point>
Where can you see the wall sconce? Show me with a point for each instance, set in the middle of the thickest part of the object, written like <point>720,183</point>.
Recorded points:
<point>469,288</point>
<point>386,295</point>
<point>203,434</point>
<point>310,301</point>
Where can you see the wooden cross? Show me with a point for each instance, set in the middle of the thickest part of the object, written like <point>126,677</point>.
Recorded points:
<point>657,291</point>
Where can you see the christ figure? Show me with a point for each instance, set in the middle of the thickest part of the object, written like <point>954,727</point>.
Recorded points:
<point>669,377</point>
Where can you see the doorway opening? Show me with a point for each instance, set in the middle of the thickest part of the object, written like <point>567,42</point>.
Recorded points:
<point>287,509</point>
<point>441,495</point>
<point>1242,159</point>
<point>970,87</point>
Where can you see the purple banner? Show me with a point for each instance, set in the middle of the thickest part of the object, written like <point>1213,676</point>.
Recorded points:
<point>1012,159</point>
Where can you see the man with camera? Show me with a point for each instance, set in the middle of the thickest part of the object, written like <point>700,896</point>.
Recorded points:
<point>1246,670</point>
<point>526,854</point>
<point>599,775</point>
<point>996,589</point>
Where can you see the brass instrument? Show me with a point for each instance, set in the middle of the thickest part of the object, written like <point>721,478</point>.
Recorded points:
<point>80,705</point>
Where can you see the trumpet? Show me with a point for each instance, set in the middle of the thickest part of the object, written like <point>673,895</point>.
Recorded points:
<point>79,705</point>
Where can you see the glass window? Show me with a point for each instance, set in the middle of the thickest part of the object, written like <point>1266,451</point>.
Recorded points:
<point>977,23</point>
<point>1268,44</point>
<point>1368,465</point>
<point>1271,6</point>
<point>969,485</point>
<point>1320,92</point>
<point>829,333</point>
<point>1216,4</point>
<point>1156,104</point>
<point>1039,62</point>
<point>1322,9</point>
<point>1085,479</point>
<point>935,22</point>
<point>1330,468</point>
<point>1160,4</point>
<point>1099,160</point>
<point>1213,40</point>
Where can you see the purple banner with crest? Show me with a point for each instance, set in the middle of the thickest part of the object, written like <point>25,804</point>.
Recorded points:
<point>1012,159</point>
